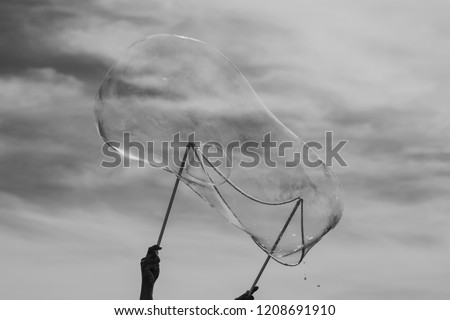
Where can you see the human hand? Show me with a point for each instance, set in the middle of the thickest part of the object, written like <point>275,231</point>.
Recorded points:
<point>247,295</point>
<point>150,265</point>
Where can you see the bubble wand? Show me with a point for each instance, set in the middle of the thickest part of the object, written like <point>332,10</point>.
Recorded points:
<point>299,202</point>
<point>174,191</point>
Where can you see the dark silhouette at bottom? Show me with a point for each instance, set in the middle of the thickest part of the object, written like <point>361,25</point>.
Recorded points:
<point>150,273</point>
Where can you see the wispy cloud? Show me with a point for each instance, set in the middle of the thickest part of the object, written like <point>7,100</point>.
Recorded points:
<point>374,72</point>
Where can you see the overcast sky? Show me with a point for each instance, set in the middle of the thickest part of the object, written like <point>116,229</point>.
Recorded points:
<point>373,72</point>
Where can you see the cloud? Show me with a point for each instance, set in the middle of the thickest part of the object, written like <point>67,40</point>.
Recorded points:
<point>27,33</point>
<point>375,73</point>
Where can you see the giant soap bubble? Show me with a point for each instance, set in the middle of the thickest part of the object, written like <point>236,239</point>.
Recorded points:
<point>168,86</point>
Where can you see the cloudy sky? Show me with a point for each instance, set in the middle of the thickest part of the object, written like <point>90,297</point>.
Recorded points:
<point>373,72</point>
